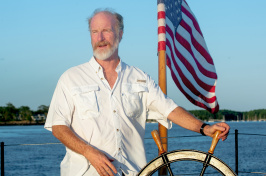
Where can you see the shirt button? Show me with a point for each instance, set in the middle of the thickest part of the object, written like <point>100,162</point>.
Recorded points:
<point>117,129</point>
<point>114,111</point>
<point>101,78</point>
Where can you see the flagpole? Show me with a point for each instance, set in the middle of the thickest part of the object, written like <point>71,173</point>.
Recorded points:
<point>162,84</point>
<point>162,71</point>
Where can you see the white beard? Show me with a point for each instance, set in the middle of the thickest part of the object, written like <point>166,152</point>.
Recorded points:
<point>103,55</point>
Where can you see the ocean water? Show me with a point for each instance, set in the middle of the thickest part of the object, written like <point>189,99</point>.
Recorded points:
<point>40,154</point>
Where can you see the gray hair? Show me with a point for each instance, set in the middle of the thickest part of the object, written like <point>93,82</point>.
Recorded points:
<point>118,17</point>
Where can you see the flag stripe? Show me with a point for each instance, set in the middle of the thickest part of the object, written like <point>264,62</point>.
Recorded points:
<point>188,70</point>
<point>198,37</point>
<point>191,66</point>
<point>188,13</point>
<point>199,47</point>
<point>214,107</point>
<point>201,60</point>
<point>195,88</point>
<point>187,45</point>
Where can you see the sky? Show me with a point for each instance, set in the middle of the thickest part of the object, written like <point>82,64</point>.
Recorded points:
<point>41,39</point>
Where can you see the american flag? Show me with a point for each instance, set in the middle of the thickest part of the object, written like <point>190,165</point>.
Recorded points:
<point>187,56</point>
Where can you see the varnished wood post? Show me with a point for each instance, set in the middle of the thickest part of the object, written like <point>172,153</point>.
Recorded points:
<point>162,84</point>
<point>162,71</point>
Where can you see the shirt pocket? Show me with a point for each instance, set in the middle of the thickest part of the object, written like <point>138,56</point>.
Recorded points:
<point>86,101</point>
<point>132,99</point>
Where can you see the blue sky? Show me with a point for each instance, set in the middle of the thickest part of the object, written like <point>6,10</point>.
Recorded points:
<point>41,39</point>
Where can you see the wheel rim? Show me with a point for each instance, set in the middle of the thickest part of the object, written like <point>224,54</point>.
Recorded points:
<point>186,155</point>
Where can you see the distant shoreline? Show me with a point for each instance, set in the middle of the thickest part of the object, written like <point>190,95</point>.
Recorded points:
<point>28,123</point>
<point>20,123</point>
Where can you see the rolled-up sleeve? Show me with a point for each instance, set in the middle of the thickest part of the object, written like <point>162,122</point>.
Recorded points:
<point>61,107</point>
<point>159,105</point>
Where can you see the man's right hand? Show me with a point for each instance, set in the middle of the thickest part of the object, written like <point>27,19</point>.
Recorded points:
<point>100,162</point>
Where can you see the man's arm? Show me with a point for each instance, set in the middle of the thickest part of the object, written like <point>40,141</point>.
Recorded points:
<point>99,161</point>
<point>186,120</point>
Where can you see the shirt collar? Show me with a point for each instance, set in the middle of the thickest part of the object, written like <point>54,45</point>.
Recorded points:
<point>119,66</point>
<point>97,67</point>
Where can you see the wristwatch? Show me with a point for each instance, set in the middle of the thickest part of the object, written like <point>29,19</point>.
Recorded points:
<point>201,128</point>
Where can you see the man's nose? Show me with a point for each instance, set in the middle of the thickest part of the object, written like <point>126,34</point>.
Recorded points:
<point>100,36</point>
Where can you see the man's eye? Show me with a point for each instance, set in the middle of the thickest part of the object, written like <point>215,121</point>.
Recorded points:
<point>107,30</point>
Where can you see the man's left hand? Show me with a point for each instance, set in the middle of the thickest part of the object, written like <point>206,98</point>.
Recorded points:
<point>223,127</point>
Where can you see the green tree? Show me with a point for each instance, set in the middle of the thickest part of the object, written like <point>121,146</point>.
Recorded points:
<point>25,113</point>
<point>2,113</point>
<point>42,109</point>
<point>10,112</point>
<point>255,114</point>
<point>205,115</point>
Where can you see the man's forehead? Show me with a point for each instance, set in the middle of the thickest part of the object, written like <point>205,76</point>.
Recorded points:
<point>103,18</point>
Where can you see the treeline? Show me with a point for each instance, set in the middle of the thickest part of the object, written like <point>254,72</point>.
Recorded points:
<point>11,113</point>
<point>24,113</point>
<point>228,115</point>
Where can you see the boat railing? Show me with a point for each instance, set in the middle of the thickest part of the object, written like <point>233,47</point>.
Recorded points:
<point>3,145</point>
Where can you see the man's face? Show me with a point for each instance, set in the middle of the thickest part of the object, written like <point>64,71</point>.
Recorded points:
<point>104,36</point>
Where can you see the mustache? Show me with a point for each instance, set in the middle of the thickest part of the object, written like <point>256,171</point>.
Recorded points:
<point>101,43</point>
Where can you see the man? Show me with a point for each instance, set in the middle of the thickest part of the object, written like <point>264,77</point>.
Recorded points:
<point>99,108</point>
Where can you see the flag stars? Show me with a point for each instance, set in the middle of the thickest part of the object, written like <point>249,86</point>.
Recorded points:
<point>173,11</point>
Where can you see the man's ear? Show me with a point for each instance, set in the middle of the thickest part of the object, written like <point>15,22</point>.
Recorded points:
<point>120,35</point>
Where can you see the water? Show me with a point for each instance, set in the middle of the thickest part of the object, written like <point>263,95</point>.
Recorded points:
<point>44,160</point>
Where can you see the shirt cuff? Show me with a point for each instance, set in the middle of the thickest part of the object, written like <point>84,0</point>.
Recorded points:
<point>162,118</point>
<point>48,126</point>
